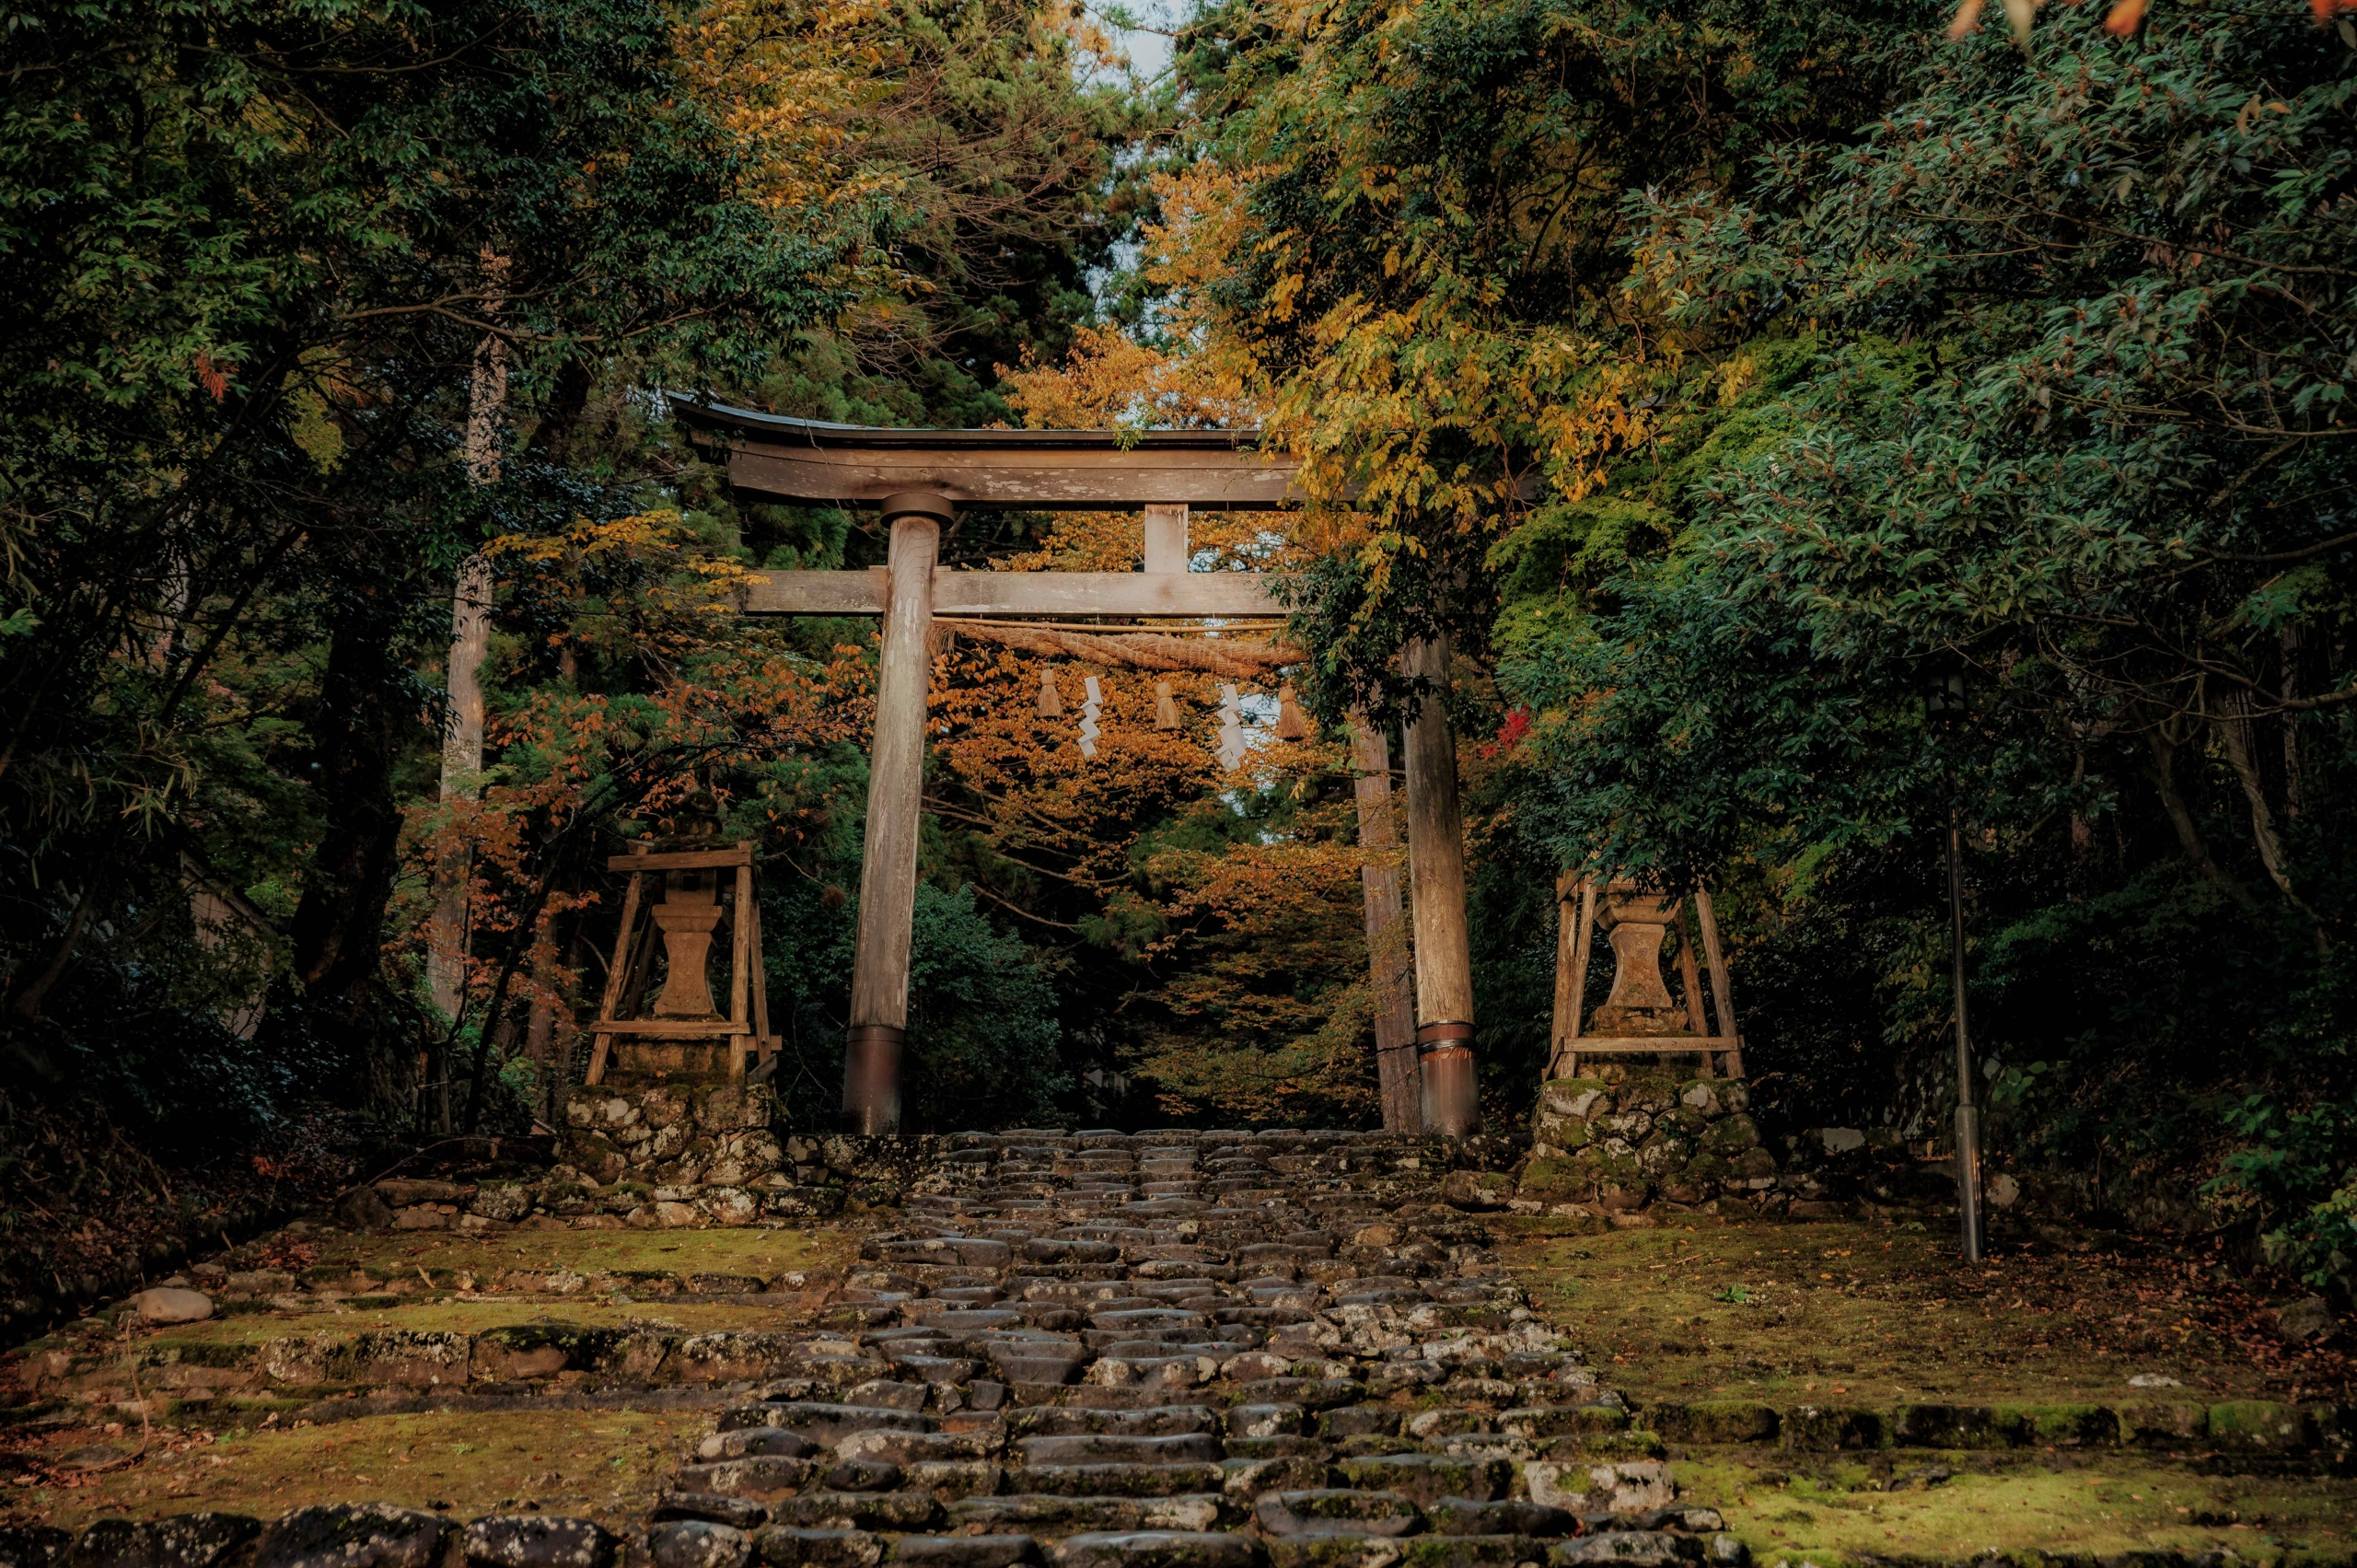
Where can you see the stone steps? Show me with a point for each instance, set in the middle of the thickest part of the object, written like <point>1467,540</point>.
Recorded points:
<point>1194,1350</point>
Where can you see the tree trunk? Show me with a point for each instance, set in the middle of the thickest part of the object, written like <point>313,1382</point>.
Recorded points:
<point>2234,734</point>
<point>446,957</point>
<point>361,723</point>
<point>445,962</point>
<point>2189,836</point>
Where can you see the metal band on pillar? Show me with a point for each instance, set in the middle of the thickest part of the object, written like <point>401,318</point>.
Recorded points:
<point>1445,1059</point>
<point>1437,868</point>
<point>887,875</point>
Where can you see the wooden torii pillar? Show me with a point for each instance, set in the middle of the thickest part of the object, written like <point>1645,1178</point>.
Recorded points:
<point>919,480</point>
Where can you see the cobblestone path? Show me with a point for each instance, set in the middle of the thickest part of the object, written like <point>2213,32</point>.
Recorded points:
<point>1178,1350</point>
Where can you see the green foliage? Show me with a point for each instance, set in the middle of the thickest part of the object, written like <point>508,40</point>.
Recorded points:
<point>2063,352</point>
<point>255,252</point>
<point>983,1046</point>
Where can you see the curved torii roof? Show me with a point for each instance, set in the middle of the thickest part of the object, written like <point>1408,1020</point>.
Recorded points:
<point>813,462</point>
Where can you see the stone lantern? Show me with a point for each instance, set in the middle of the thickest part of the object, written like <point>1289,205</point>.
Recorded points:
<point>1638,923</point>
<point>688,916</point>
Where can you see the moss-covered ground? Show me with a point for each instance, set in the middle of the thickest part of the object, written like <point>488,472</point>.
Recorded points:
<point>602,1465</point>
<point>1883,1315</point>
<point>1956,1506</point>
<point>760,1254</point>
<point>472,1317</point>
<point>1886,1314</point>
<point>88,1454</point>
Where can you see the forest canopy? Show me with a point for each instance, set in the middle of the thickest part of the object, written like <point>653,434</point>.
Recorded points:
<point>1717,378</point>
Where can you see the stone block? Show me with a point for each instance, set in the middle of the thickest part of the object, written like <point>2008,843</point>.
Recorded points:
<point>170,1305</point>
<point>356,1535</point>
<point>1157,1549</point>
<point>1327,1511</point>
<point>697,1543</point>
<point>1731,1136</point>
<point>2060,1427</point>
<point>1582,1487</point>
<point>711,1507</point>
<point>966,1551</point>
<point>2259,1426</point>
<point>1827,1427</point>
<point>1948,1426</point>
<point>888,1511</point>
<point>2163,1425</point>
<point>1427,1477</point>
<point>1509,1517</point>
<point>1634,1548</point>
<point>1714,1421</point>
<point>784,1546</point>
<point>34,1545</point>
<point>183,1540</point>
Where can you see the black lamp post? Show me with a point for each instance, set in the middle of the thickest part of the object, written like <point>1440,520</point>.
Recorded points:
<point>1944,706</point>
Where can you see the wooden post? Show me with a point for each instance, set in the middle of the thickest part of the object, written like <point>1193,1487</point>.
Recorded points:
<point>1386,934</point>
<point>1722,998</point>
<point>1573,934</point>
<point>764,1044</point>
<point>887,875</point>
<point>740,968</point>
<point>601,1042</point>
<point>1692,979</point>
<point>1437,872</point>
<point>1166,539</point>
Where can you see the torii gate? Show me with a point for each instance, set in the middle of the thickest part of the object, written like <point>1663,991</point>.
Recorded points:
<point>919,480</point>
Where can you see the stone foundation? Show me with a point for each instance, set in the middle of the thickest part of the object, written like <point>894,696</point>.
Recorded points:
<point>1627,1139</point>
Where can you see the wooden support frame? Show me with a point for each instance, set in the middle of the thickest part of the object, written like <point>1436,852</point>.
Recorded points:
<point>745,1026</point>
<point>1573,940</point>
<point>1715,1039</point>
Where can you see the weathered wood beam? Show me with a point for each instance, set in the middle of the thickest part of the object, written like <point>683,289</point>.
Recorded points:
<point>816,463</point>
<point>1396,1071</point>
<point>683,860</point>
<point>1165,539</point>
<point>1186,594</point>
<point>1436,876</point>
<point>888,873</point>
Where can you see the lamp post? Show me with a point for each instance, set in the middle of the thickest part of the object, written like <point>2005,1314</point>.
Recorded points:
<point>1944,706</point>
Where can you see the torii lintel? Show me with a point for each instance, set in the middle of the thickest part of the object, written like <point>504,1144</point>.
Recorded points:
<point>813,462</point>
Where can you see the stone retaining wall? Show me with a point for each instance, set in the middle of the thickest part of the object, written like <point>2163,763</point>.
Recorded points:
<point>1626,1140</point>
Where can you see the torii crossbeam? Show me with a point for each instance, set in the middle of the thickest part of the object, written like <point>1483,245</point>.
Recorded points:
<point>919,479</point>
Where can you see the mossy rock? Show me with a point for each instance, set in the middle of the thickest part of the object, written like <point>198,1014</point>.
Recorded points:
<point>2162,1425</point>
<point>210,1354</point>
<point>542,1350</point>
<point>2060,1427</point>
<point>1754,1163</point>
<point>1563,1131</point>
<point>1824,1428</point>
<point>1732,1135</point>
<point>2259,1425</point>
<point>1577,1098</point>
<point>1683,1121</point>
<point>1705,1168</point>
<point>1636,1443</point>
<point>1714,1421</point>
<point>1553,1178</point>
<point>1603,1166</point>
<point>1649,1090</point>
<point>1664,1153</point>
<point>1949,1426</point>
